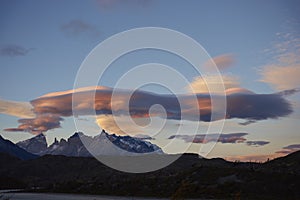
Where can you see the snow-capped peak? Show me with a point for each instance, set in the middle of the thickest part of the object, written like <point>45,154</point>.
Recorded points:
<point>81,145</point>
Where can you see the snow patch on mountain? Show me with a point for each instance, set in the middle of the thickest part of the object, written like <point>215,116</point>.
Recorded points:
<point>80,145</point>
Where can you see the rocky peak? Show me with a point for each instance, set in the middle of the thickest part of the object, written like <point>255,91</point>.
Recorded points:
<point>35,145</point>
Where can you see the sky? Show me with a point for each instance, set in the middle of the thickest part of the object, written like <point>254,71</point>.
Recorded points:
<point>254,44</point>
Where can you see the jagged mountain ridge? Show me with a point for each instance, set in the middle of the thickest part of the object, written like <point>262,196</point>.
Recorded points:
<point>73,146</point>
<point>36,145</point>
<point>102,144</point>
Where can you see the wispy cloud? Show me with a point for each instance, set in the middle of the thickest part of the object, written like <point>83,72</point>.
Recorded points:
<point>282,76</point>
<point>41,123</point>
<point>144,137</point>
<point>12,50</point>
<point>76,27</point>
<point>247,122</point>
<point>222,61</point>
<point>200,84</point>
<point>289,149</point>
<point>109,4</point>
<point>108,122</point>
<point>229,138</point>
<point>257,143</point>
<point>283,71</point>
<point>18,109</point>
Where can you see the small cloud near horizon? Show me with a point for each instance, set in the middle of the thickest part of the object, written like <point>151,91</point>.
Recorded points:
<point>206,138</point>
<point>224,138</point>
<point>252,157</point>
<point>257,143</point>
<point>289,149</point>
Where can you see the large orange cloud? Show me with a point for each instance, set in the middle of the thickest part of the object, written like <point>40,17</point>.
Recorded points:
<point>50,109</point>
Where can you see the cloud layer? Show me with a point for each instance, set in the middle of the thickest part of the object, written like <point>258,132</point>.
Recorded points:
<point>39,124</point>
<point>229,138</point>
<point>203,138</point>
<point>51,108</point>
<point>257,143</point>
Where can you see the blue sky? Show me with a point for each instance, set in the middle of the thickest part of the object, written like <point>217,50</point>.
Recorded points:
<point>56,36</point>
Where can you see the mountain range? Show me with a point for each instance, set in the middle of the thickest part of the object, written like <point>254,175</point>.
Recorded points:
<point>79,145</point>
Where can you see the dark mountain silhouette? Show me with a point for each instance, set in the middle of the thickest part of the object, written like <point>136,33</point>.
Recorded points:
<point>8,147</point>
<point>288,164</point>
<point>188,177</point>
